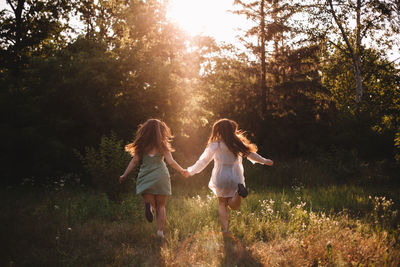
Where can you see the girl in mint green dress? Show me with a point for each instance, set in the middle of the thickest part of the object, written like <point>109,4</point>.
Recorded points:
<point>150,147</point>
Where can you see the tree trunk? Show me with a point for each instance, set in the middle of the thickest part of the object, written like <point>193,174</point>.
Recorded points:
<point>353,51</point>
<point>18,25</point>
<point>359,89</point>
<point>18,35</point>
<point>263,65</point>
<point>357,60</point>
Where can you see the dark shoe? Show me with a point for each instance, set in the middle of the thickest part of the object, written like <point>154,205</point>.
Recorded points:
<point>242,191</point>
<point>148,212</point>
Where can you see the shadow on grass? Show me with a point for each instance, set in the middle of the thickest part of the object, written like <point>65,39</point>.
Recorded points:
<point>236,253</point>
<point>214,249</point>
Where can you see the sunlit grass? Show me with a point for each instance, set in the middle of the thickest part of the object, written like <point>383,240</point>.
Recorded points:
<point>299,226</point>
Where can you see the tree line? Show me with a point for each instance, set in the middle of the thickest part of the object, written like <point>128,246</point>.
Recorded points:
<point>72,71</point>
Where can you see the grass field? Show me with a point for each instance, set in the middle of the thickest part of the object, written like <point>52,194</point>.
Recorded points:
<point>332,225</point>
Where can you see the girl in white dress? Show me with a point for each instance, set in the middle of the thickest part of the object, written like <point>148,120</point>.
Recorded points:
<point>227,146</point>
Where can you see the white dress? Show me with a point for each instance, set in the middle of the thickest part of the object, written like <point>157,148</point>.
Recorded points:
<point>228,169</point>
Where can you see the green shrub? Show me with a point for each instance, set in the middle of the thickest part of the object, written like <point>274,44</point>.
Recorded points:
<point>104,165</point>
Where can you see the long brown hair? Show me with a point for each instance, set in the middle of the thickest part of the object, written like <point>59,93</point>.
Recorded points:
<point>151,134</point>
<point>227,131</point>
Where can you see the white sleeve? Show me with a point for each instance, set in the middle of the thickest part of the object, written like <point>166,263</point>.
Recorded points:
<point>204,159</point>
<point>255,158</point>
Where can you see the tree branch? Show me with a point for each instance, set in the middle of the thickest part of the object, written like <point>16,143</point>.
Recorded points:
<point>364,32</point>
<point>12,6</point>
<point>338,47</point>
<point>358,27</point>
<point>341,29</point>
<point>381,67</point>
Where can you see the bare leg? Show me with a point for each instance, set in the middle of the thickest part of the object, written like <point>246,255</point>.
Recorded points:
<point>161,213</point>
<point>223,213</point>
<point>149,198</point>
<point>149,204</point>
<point>235,202</point>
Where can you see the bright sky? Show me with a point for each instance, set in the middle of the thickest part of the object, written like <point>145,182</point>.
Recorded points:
<point>3,4</point>
<point>207,17</point>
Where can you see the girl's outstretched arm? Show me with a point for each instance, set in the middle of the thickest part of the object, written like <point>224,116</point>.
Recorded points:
<point>130,167</point>
<point>171,162</point>
<point>254,157</point>
<point>204,159</point>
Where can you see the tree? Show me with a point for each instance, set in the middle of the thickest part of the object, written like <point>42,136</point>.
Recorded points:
<point>103,20</point>
<point>275,34</point>
<point>380,108</point>
<point>70,92</point>
<point>354,23</point>
<point>28,27</point>
<point>227,88</point>
<point>256,11</point>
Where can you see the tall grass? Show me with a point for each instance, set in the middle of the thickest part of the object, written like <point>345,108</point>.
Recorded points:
<point>290,226</point>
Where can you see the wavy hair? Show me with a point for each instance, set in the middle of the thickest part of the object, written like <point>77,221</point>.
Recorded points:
<point>227,131</point>
<point>151,134</point>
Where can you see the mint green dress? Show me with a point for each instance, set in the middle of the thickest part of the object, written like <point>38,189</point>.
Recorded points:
<point>153,177</point>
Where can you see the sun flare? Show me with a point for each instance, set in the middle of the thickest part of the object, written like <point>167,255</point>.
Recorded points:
<point>206,17</point>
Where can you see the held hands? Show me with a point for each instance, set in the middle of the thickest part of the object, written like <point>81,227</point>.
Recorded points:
<point>185,173</point>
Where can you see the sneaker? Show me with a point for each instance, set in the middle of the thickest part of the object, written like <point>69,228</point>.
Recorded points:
<point>242,191</point>
<point>148,212</point>
<point>160,234</point>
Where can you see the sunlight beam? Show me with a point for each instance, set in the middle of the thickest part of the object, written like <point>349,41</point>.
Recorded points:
<point>207,17</point>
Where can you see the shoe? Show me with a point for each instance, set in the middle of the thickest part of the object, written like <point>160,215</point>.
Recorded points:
<point>160,234</point>
<point>148,212</point>
<point>242,191</point>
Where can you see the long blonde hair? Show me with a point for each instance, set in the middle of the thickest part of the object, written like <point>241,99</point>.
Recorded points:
<point>227,131</point>
<point>151,134</point>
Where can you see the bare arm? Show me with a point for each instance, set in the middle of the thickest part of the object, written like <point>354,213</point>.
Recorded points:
<point>254,157</point>
<point>171,162</point>
<point>130,167</point>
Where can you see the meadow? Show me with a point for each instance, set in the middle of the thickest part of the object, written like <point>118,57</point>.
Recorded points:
<point>313,83</point>
<point>64,224</point>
